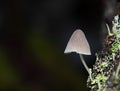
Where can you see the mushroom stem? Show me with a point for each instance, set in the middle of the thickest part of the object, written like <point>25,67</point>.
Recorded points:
<point>83,62</point>
<point>85,65</point>
<point>109,33</point>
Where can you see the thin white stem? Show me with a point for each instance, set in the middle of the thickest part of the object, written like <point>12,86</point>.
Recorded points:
<point>117,72</point>
<point>86,67</point>
<point>99,86</point>
<point>109,33</point>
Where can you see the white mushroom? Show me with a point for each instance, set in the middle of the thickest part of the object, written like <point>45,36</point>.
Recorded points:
<point>79,44</point>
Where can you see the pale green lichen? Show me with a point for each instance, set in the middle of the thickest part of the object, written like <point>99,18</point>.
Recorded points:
<point>115,46</point>
<point>107,61</point>
<point>116,26</point>
<point>104,64</point>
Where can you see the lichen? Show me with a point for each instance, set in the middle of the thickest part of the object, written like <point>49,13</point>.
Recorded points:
<point>105,72</point>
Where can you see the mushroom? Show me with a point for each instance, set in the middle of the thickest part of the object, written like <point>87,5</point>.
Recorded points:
<point>108,29</point>
<point>79,44</point>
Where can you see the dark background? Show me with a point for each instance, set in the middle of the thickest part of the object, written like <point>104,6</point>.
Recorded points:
<point>34,34</point>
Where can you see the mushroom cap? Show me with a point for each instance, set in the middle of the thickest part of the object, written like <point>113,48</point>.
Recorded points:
<point>78,43</point>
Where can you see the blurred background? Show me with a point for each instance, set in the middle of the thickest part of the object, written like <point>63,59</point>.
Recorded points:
<point>33,37</point>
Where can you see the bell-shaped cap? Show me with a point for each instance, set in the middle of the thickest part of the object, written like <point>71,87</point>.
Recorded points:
<point>78,43</point>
